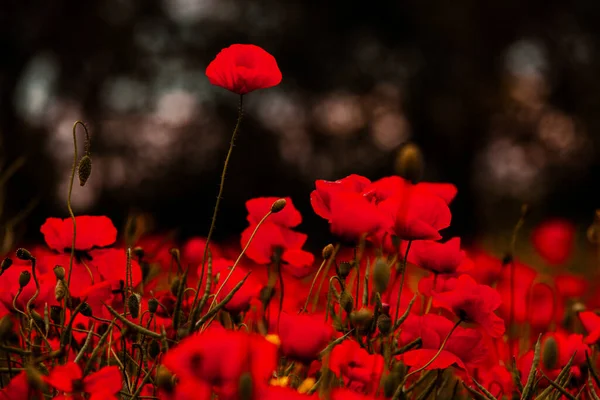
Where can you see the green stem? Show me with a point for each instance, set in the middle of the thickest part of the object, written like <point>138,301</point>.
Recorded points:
<point>403,273</point>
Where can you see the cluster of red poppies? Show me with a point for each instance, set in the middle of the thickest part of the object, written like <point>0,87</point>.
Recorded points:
<point>392,311</point>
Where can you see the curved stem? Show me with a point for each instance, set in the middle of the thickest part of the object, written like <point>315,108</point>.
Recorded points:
<point>403,273</point>
<point>312,285</point>
<point>37,288</point>
<point>214,217</point>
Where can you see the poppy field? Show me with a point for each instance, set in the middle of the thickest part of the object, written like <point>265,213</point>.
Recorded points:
<point>394,308</point>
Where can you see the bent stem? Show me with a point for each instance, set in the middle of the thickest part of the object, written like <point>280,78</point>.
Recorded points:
<point>214,217</point>
<point>403,273</point>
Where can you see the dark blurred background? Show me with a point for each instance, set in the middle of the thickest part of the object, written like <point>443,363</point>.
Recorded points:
<point>502,96</point>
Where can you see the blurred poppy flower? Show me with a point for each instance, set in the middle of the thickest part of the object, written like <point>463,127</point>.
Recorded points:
<point>553,240</point>
<point>92,232</point>
<point>439,258</point>
<point>104,384</point>
<point>360,370</point>
<point>486,268</point>
<point>591,323</point>
<point>523,278</point>
<point>473,302</point>
<point>303,336</point>
<point>243,68</point>
<point>497,380</point>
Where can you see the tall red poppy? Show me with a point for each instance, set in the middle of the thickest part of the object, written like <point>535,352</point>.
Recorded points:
<point>553,240</point>
<point>92,231</point>
<point>243,68</point>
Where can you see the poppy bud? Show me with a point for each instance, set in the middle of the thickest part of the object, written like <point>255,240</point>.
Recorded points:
<point>164,379</point>
<point>550,353</point>
<point>6,326</point>
<point>409,162</point>
<point>24,254</point>
<point>362,317</point>
<point>24,278</point>
<point>346,302</point>
<point>578,307</point>
<point>175,253</point>
<point>344,269</point>
<point>139,252</point>
<point>6,263</point>
<point>85,169</point>
<point>37,318</point>
<point>245,386</point>
<point>384,324</point>
<point>85,310</point>
<point>152,305</point>
<point>59,272</point>
<point>34,379</point>
<point>60,290</point>
<point>278,205</point>
<point>327,251</point>
<point>175,286</point>
<point>133,304</point>
<point>153,348</point>
<point>381,275</point>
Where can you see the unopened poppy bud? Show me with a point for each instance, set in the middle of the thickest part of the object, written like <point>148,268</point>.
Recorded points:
<point>384,324</point>
<point>306,385</point>
<point>133,304</point>
<point>175,286</point>
<point>153,348</point>
<point>24,254</point>
<point>245,392</point>
<point>6,263</point>
<point>85,310</point>
<point>6,326</point>
<point>59,272</point>
<point>164,379</point>
<point>85,169</point>
<point>381,275</point>
<point>138,251</point>
<point>34,379</point>
<point>152,305</point>
<point>550,353</point>
<point>175,253</point>
<point>578,307</point>
<point>409,162</point>
<point>327,251</point>
<point>346,302</point>
<point>344,269</point>
<point>278,205</point>
<point>60,290</point>
<point>24,278</point>
<point>361,317</point>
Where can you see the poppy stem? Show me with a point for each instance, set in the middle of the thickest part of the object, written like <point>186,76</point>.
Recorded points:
<point>330,260</point>
<point>430,299</point>
<point>312,285</point>
<point>193,314</point>
<point>402,274</point>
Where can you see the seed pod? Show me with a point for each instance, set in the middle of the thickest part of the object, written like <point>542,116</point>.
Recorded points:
<point>24,278</point>
<point>381,275</point>
<point>346,302</point>
<point>409,162</point>
<point>164,379</point>
<point>344,269</point>
<point>175,286</point>
<point>60,290</point>
<point>327,251</point>
<point>138,252</point>
<point>59,272</point>
<point>85,310</point>
<point>55,312</point>
<point>384,324</point>
<point>152,305</point>
<point>278,205</point>
<point>154,349</point>
<point>361,317</point>
<point>133,304</point>
<point>245,391</point>
<point>550,353</point>
<point>6,263</point>
<point>24,254</point>
<point>85,169</point>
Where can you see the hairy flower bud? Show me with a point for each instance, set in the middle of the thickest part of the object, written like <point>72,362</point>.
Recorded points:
<point>344,269</point>
<point>278,205</point>
<point>85,310</point>
<point>60,290</point>
<point>24,254</point>
<point>327,251</point>
<point>409,162</point>
<point>361,317</point>
<point>138,252</point>
<point>550,353</point>
<point>6,263</point>
<point>59,272</point>
<point>153,349</point>
<point>152,305</point>
<point>85,169</point>
<point>384,324</point>
<point>24,278</point>
<point>381,275</point>
<point>175,286</point>
<point>133,304</point>
<point>346,302</point>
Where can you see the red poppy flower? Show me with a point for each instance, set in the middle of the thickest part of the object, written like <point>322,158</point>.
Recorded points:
<point>473,302</point>
<point>18,388</point>
<point>91,232</point>
<point>361,371</point>
<point>523,278</point>
<point>439,283</point>
<point>591,323</point>
<point>464,348</point>
<point>104,384</point>
<point>242,298</point>
<point>320,198</point>
<point>440,258</point>
<point>243,68</point>
<point>553,240</point>
<point>542,306</point>
<point>303,336</point>
<point>486,268</point>
<point>497,380</point>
